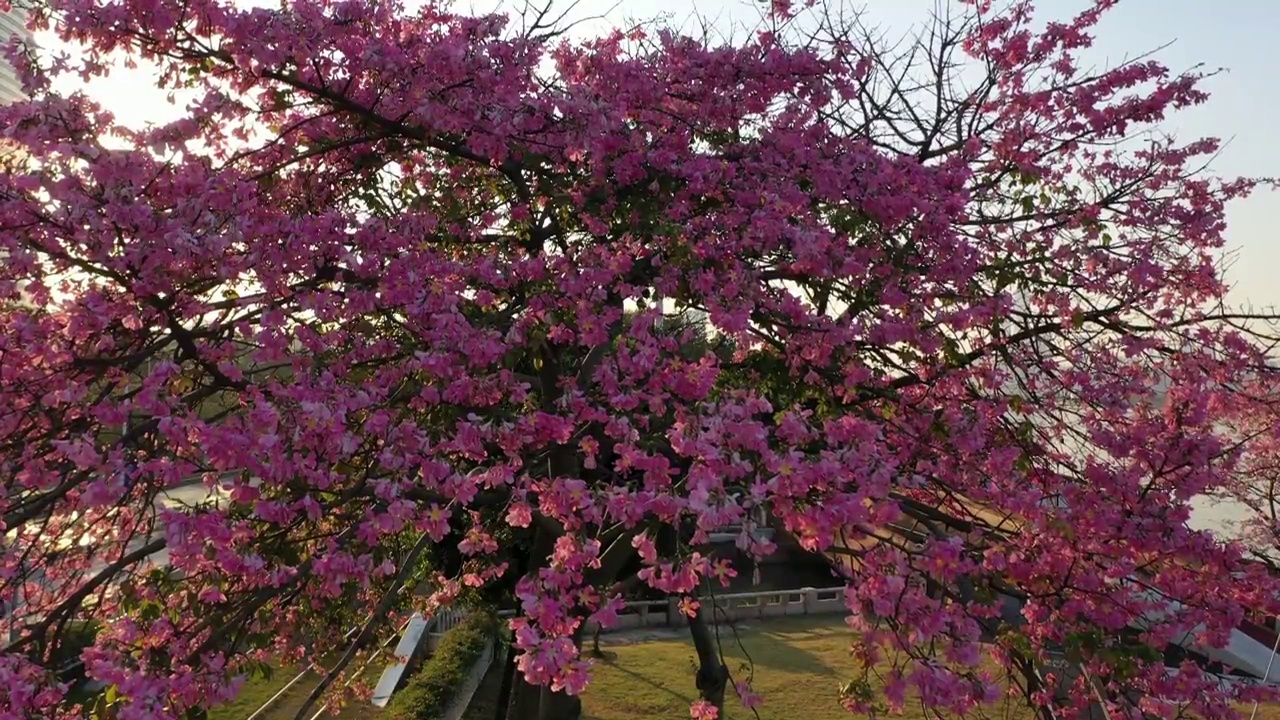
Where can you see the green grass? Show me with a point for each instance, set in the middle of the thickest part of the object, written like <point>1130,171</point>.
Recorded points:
<point>257,690</point>
<point>800,665</point>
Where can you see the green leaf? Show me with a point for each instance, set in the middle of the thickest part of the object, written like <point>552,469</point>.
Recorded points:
<point>858,690</point>
<point>150,611</point>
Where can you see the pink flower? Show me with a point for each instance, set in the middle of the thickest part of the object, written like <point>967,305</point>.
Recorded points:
<point>419,285</point>
<point>703,710</point>
<point>435,522</point>
<point>689,606</point>
<point>519,515</point>
<point>748,697</point>
<point>212,595</point>
<point>722,570</point>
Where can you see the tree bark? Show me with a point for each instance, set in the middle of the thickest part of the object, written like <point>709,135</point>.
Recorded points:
<point>558,706</point>
<point>540,703</point>
<point>595,643</point>
<point>713,677</point>
<point>533,702</point>
<point>508,681</point>
<point>527,701</point>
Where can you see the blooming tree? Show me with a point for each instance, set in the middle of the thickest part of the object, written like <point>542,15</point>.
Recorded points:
<point>407,285</point>
<point>1250,420</point>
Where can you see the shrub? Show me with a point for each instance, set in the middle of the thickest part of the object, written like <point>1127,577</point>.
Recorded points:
<point>428,692</point>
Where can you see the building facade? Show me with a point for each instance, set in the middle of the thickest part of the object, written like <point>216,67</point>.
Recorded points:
<point>12,22</point>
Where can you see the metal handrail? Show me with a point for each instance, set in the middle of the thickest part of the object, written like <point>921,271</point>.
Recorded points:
<point>1266,674</point>
<point>298,678</point>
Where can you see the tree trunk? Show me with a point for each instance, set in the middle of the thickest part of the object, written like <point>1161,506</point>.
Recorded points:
<point>558,706</point>
<point>503,705</point>
<point>713,677</point>
<point>528,698</point>
<point>540,703</point>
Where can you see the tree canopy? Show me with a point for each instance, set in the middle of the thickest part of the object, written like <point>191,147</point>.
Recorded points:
<point>415,289</point>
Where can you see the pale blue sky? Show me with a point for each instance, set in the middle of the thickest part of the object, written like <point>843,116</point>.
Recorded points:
<point>1239,35</point>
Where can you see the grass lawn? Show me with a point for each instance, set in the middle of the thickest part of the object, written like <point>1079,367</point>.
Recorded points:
<point>257,691</point>
<point>800,664</point>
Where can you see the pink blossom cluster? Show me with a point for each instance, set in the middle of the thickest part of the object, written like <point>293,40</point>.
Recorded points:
<point>403,278</point>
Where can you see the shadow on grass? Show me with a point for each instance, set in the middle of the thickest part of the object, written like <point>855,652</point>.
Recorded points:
<point>648,681</point>
<point>770,650</point>
<point>796,633</point>
<point>773,649</point>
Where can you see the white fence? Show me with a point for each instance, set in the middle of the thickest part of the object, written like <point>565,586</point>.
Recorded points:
<point>308,672</point>
<point>446,620</point>
<point>729,608</point>
<point>410,641</point>
<point>735,607</point>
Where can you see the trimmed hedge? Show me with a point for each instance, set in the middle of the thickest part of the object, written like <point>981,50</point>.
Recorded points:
<point>427,693</point>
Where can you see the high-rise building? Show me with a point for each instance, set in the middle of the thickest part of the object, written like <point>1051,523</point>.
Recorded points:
<point>12,22</point>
